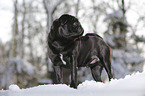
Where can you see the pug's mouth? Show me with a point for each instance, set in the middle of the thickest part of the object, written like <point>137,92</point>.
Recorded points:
<point>73,35</point>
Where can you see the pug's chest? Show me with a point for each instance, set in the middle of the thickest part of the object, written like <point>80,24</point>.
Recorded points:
<point>65,59</point>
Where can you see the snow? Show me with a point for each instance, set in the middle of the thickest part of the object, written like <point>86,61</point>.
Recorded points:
<point>116,14</point>
<point>131,85</point>
<point>45,80</point>
<point>14,88</point>
<point>16,65</point>
<point>124,63</point>
<point>22,65</point>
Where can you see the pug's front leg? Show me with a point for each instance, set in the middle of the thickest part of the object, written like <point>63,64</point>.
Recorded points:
<point>73,69</point>
<point>58,73</point>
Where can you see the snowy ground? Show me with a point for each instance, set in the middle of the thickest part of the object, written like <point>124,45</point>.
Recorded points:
<point>133,85</point>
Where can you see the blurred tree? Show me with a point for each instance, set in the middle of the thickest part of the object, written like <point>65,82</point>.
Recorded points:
<point>98,10</point>
<point>25,40</point>
<point>23,30</point>
<point>77,8</point>
<point>15,30</point>
<point>25,62</point>
<point>126,59</point>
<point>4,52</point>
<point>50,8</point>
<point>118,26</point>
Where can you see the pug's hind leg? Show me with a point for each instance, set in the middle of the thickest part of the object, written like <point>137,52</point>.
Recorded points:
<point>96,72</point>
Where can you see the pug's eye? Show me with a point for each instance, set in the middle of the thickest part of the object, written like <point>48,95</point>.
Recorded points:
<point>74,24</point>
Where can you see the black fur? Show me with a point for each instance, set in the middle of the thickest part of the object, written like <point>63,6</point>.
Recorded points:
<point>65,38</point>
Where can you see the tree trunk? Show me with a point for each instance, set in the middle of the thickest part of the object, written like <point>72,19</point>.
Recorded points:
<point>30,43</point>
<point>123,7</point>
<point>95,22</point>
<point>50,9</point>
<point>77,8</point>
<point>23,30</point>
<point>15,30</point>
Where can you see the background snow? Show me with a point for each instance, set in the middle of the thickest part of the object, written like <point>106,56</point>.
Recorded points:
<point>34,70</point>
<point>22,65</point>
<point>131,85</point>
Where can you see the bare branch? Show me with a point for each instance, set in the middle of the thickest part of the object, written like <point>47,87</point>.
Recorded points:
<point>45,6</point>
<point>123,7</point>
<point>56,5</point>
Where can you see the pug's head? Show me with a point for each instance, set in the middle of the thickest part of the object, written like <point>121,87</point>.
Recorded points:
<point>70,27</point>
<point>67,27</point>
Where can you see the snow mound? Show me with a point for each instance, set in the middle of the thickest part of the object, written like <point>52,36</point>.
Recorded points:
<point>131,85</point>
<point>14,88</point>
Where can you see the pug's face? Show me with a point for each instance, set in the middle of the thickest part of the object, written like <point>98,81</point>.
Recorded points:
<point>69,27</point>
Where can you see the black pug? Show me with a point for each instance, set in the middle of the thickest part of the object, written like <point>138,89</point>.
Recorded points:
<point>66,43</point>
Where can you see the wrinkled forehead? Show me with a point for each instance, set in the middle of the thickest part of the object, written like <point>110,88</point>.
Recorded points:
<point>67,19</point>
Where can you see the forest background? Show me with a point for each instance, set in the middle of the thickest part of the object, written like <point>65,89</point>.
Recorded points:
<point>25,25</point>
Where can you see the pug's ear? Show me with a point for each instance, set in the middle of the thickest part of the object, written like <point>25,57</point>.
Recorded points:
<point>54,29</point>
